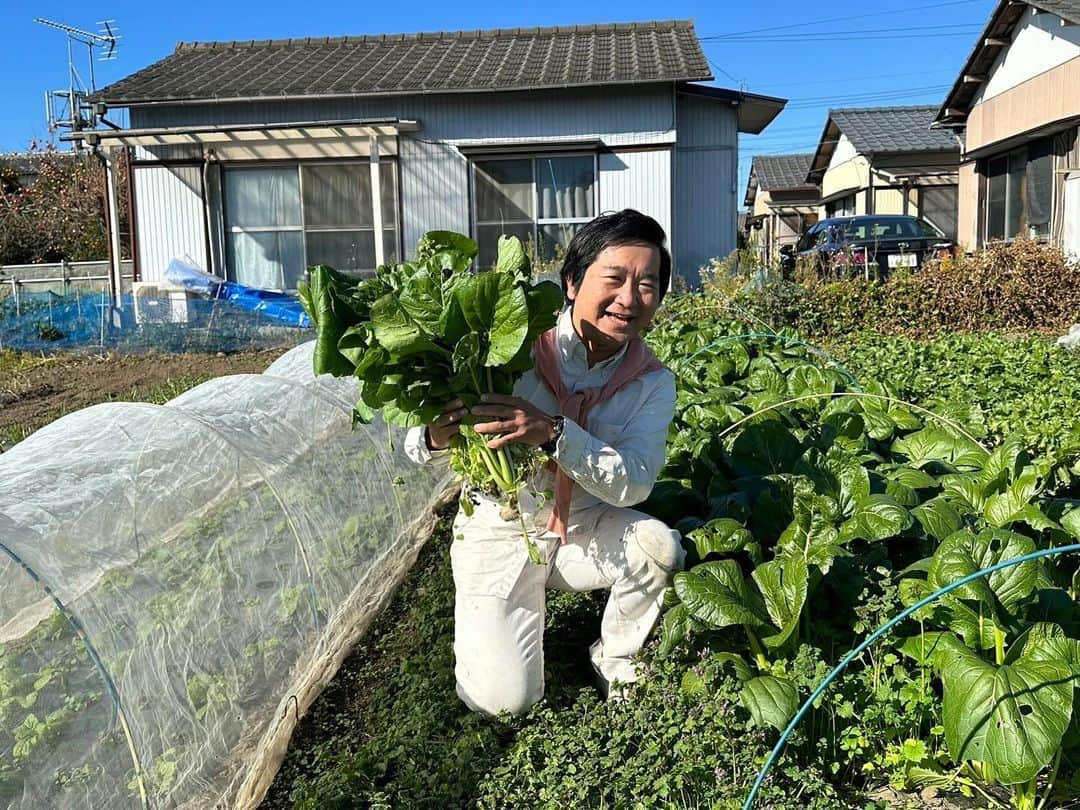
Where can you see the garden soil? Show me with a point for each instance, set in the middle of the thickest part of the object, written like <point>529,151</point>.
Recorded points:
<point>35,391</point>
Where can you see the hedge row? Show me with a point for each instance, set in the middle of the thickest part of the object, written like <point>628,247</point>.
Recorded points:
<point>1022,286</point>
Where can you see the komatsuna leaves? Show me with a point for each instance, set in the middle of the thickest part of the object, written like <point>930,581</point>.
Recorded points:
<point>511,257</point>
<point>783,585</point>
<point>720,536</point>
<point>877,517</point>
<point>717,594</point>
<point>331,318</point>
<point>764,448</point>
<point>964,553</point>
<point>396,330</point>
<point>771,701</point>
<point>1012,717</point>
<point>812,534</point>
<point>677,625</point>
<point>837,475</point>
<point>495,305</point>
<point>938,518</point>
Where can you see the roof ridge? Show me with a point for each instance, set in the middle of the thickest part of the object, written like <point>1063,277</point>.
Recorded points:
<point>898,108</point>
<point>481,33</point>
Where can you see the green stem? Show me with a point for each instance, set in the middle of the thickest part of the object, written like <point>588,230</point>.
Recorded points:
<point>757,649</point>
<point>530,546</point>
<point>999,645</point>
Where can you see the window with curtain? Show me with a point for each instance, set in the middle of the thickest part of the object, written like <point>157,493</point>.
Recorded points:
<point>1017,199</point>
<point>542,200</point>
<point>281,219</point>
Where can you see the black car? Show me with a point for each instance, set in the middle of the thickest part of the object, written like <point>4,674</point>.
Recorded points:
<point>870,246</point>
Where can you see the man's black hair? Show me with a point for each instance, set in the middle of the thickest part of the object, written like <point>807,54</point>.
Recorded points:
<point>626,227</point>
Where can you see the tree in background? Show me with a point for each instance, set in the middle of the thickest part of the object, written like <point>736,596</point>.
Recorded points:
<point>52,207</point>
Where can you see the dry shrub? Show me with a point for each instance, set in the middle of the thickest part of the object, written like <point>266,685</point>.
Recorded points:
<point>1022,286</point>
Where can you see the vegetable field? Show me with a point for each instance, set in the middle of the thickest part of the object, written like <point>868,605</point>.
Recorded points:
<point>820,492</point>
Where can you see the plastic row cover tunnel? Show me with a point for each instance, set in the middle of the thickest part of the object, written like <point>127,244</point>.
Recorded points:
<point>178,581</point>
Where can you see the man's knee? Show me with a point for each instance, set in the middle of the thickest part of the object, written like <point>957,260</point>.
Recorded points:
<point>656,543</point>
<point>494,692</point>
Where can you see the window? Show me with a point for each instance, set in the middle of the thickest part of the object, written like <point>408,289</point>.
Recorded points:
<point>1018,196</point>
<point>543,200</point>
<point>280,219</point>
<point>844,207</point>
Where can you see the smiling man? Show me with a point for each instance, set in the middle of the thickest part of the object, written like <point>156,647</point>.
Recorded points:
<point>599,403</point>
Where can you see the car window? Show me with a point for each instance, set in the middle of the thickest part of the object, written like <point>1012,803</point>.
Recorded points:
<point>926,230</point>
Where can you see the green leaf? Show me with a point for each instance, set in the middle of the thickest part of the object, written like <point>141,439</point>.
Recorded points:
<point>720,536</point>
<point>783,585</point>
<point>434,242</point>
<point>742,669</point>
<point>674,629</point>
<point>771,701</point>
<point>936,444</point>
<point>511,257</point>
<point>395,329</point>
<point>924,647</point>
<point>878,517</point>
<point>764,448</point>
<point>937,518</point>
<point>812,534</point>
<point>1012,717</point>
<point>964,553</point>
<point>1070,522</point>
<point>837,475</point>
<point>717,594</point>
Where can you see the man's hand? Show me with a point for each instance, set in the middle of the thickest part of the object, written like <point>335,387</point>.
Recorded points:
<point>515,418</point>
<point>446,426</point>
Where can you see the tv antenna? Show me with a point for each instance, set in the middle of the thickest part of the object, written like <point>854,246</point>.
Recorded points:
<point>70,109</point>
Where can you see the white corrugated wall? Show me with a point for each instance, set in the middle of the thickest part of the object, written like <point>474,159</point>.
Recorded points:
<point>638,179</point>
<point>170,217</point>
<point>691,191</point>
<point>706,176</point>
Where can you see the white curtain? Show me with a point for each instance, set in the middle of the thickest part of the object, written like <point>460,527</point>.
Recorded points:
<point>1071,237</point>
<point>565,187</point>
<point>258,202</point>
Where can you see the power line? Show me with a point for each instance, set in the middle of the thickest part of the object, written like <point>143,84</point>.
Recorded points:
<point>862,77</point>
<point>967,27</point>
<point>844,37</point>
<point>847,17</point>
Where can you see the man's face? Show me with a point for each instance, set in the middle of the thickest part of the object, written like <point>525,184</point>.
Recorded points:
<point>616,299</point>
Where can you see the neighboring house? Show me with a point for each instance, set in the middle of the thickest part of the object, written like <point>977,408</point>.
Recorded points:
<point>257,159</point>
<point>1017,101</point>
<point>887,160</point>
<point>781,203</point>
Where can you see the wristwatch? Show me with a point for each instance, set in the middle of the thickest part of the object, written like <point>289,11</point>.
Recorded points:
<point>558,422</point>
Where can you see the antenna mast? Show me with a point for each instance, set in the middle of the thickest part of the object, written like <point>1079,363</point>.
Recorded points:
<point>69,109</point>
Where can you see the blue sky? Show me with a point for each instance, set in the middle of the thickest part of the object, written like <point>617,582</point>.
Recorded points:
<point>840,54</point>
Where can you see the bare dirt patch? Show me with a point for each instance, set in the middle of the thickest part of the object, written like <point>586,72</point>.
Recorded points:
<point>36,390</point>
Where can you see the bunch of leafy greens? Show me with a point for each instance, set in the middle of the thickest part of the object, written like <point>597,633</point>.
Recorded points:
<point>420,334</point>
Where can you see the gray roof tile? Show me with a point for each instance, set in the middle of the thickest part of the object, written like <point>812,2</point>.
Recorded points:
<point>457,61</point>
<point>892,129</point>
<point>782,172</point>
<point>1068,10</point>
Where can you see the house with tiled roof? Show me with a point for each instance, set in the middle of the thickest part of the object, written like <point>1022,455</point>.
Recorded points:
<point>782,203</point>
<point>257,159</point>
<point>887,160</point>
<point>1016,101</point>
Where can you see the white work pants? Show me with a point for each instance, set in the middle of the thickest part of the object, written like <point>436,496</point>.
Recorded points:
<point>499,601</point>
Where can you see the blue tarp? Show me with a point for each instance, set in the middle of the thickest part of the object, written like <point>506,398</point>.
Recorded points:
<point>276,306</point>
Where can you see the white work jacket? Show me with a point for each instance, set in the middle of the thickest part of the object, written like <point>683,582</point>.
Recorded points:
<point>618,456</point>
